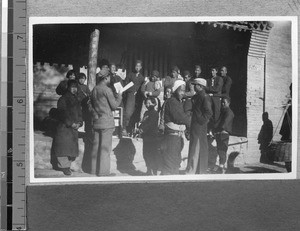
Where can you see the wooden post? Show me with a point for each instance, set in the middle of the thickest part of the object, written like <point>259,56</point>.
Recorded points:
<point>93,56</point>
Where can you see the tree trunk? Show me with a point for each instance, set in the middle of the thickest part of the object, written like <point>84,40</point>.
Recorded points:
<point>93,56</point>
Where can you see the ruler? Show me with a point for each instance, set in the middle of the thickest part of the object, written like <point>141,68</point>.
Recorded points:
<point>16,118</point>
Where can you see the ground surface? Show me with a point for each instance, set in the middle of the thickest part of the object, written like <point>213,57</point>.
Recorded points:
<point>128,160</point>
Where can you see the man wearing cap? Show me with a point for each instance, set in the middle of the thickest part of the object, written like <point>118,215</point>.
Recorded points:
<point>227,81</point>
<point>176,121</point>
<point>201,113</point>
<point>104,103</point>
<point>214,89</point>
<point>130,96</point>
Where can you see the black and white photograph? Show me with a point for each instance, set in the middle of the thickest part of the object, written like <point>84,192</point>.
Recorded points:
<point>162,99</point>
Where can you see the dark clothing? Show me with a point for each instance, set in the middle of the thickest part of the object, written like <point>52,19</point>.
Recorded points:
<point>198,149</point>
<point>150,141</point>
<point>222,140</point>
<point>104,103</point>
<point>137,79</point>
<point>83,92</point>
<point>214,86</point>
<point>188,106</point>
<point>225,121</point>
<point>162,116</point>
<point>286,127</point>
<point>62,87</point>
<point>129,108</point>
<point>174,112</point>
<point>189,93</point>
<point>264,138</point>
<point>114,78</point>
<point>222,131</point>
<point>171,148</point>
<point>65,141</point>
<point>149,123</point>
<point>83,95</point>
<point>174,118</point>
<point>265,135</point>
<point>227,81</point>
<point>130,104</point>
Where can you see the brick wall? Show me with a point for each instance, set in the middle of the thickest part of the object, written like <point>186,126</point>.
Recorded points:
<point>278,78</point>
<point>255,88</point>
<point>278,71</point>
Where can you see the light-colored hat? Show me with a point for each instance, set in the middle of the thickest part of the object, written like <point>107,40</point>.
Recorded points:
<point>199,81</point>
<point>177,84</point>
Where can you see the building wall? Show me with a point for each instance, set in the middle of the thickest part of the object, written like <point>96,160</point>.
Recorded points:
<point>255,88</point>
<point>278,72</point>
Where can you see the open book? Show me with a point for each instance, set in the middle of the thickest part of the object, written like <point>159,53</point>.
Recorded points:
<point>120,89</point>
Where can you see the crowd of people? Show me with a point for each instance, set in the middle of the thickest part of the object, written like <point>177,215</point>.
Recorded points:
<point>162,110</point>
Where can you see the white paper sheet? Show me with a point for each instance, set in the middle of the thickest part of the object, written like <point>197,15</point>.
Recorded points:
<point>121,89</point>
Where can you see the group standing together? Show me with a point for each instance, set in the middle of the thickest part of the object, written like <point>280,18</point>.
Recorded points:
<point>161,110</point>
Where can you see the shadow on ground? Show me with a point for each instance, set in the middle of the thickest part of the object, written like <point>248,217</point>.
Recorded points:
<point>125,152</point>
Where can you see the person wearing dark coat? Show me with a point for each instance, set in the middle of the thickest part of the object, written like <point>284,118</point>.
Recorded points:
<point>264,137</point>
<point>176,121</point>
<point>227,82</point>
<point>62,87</point>
<point>201,113</point>
<point>65,141</point>
<point>104,103</point>
<point>222,131</point>
<point>114,77</point>
<point>83,95</point>
<point>130,97</point>
<point>167,96</point>
<point>149,131</point>
<point>286,129</point>
<point>214,90</point>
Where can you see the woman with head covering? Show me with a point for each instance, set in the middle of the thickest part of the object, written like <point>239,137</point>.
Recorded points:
<point>176,121</point>
<point>65,141</point>
<point>62,88</point>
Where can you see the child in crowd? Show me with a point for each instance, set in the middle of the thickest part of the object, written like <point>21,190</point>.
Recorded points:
<point>83,95</point>
<point>151,88</point>
<point>149,131</point>
<point>65,141</point>
<point>62,88</point>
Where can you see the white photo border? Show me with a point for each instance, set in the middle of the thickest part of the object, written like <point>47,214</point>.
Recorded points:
<point>160,179</point>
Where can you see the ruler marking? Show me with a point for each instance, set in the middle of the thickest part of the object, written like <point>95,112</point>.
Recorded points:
<point>17,35</point>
